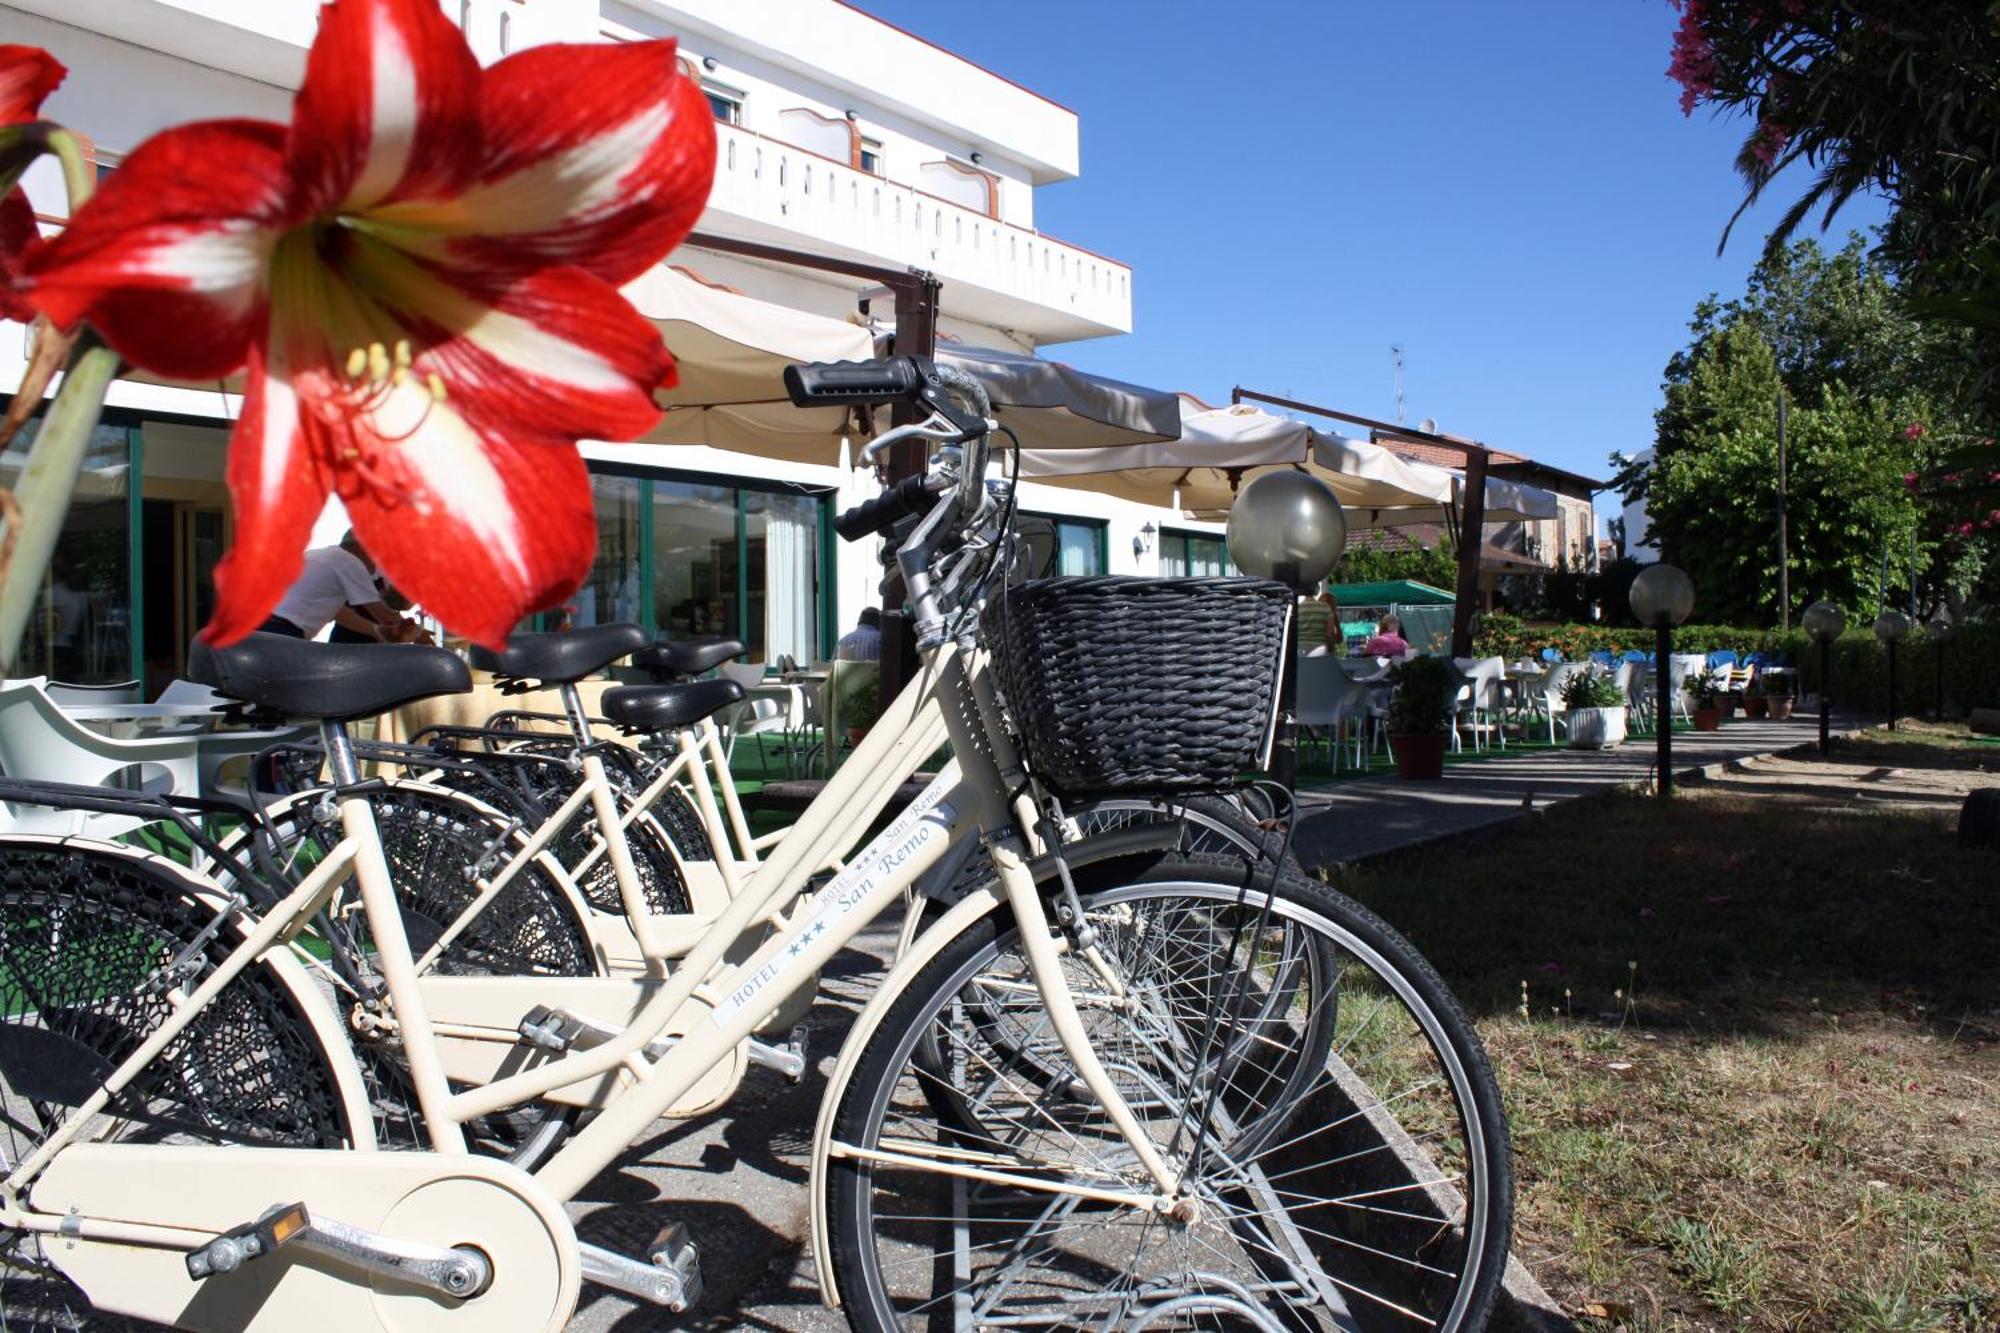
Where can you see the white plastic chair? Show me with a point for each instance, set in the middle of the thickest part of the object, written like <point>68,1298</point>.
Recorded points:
<point>1479,699</point>
<point>1548,700</point>
<point>124,692</point>
<point>38,742</point>
<point>1322,688</point>
<point>747,674</point>
<point>1633,686</point>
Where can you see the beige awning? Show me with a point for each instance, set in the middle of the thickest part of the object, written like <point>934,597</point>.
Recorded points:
<point>732,351</point>
<point>1219,449</point>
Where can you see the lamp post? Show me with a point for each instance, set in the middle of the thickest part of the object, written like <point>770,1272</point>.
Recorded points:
<point>1890,628</point>
<point>1939,632</point>
<point>1825,622</point>
<point>1662,596</point>
<point>1287,526</point>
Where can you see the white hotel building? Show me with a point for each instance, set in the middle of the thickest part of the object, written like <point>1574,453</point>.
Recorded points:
<point>839,134</point>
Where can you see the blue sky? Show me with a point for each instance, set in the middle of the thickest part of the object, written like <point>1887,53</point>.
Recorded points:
<point>1506,189</point>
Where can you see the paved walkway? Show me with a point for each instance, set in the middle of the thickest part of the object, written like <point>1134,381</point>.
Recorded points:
<point>1354,820</point>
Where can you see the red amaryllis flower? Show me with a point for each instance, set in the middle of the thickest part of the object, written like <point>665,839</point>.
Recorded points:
<point>419,277</point>
<point>27,75</point>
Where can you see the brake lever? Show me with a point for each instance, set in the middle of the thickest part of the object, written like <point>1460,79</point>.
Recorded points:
<point>943,433</point>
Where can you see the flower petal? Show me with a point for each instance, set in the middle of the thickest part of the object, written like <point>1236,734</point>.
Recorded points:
<point>479,528</point>
<point>597,156</point>
<point>27,75</point>
<point>17,233</point>
<point>554,353</point>
<point>389,108</point>
<point>168,259</point>
<point>277,489</point>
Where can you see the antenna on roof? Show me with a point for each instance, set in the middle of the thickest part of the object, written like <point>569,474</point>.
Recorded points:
<point>1396,358</point>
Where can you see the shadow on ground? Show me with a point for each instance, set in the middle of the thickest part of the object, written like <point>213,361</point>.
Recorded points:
<point>1728,911</point>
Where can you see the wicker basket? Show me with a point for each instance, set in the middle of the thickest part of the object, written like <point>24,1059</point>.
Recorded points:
<point>1141,685</point>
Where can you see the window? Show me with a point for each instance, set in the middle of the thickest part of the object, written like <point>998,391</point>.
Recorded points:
<point>80,629</point>
<point>1080,545</point>
<point>611,594</point>
<point>1193,554</point>
<point>726,103</point>
<point>871,156</point>
<point>698,559</point>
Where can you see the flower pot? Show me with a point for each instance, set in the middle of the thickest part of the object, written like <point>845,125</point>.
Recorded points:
<point>1781,706</point>
<point>1728,704</point>
<point>1756,705</point>
<point>1708,719</point>
<point>1419,757</point>
<point>1595,728</point>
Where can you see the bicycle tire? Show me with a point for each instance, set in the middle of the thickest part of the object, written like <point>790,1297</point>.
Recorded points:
<point>880,1212</point>
<point>431,838</point>
<point>84,931</point>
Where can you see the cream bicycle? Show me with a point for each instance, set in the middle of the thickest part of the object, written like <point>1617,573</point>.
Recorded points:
<point>1111,1085</point>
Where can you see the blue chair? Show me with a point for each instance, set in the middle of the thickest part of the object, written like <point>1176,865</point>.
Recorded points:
<point>1551,656</point>
<point>1721,657</point>
<point>1603,657</point>
<point>1636,657</point>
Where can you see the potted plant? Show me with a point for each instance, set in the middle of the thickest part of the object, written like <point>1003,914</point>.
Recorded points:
<point>1420,715</point>
<point>1777,695</point>
<point>1755,702</point>
<point>1596,712</point>
<point>861,707</point>
<point>1707,689</point>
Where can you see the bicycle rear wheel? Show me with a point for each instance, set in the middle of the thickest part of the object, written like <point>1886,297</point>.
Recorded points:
<point>432,839</point>
<point>1290,1055</point>
<point>95,947</point>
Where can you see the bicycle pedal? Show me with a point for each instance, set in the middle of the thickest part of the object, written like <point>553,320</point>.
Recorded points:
<point>675,1252</point>
<point>552,1029</point>
<point>253,1240</point>
<point>672,1277</point>
<point>787,1058</point>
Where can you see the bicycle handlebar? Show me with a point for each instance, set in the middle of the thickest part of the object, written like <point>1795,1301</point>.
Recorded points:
<point>874,517</point>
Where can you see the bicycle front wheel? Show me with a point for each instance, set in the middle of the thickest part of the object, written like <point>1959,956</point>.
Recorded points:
<point>1305,1072</point>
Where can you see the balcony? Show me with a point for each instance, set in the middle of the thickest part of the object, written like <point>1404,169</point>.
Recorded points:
<point>993,272</point>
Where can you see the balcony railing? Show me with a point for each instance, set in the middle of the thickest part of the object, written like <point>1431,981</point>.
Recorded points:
<point>777,184</point>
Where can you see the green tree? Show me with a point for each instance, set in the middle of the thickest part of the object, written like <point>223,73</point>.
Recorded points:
<point>1874,395</point>
<point>1436,565</point>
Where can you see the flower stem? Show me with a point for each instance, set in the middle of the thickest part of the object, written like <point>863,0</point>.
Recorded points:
<point>44,489</point>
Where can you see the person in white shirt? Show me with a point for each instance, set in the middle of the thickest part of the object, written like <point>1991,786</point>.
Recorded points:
<point>337,586</point>
<point>863,643</point>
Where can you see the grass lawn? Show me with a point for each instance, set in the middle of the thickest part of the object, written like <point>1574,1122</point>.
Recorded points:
<point>1750,1046</point>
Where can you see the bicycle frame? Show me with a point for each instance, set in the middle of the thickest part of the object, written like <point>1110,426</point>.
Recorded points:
<point>716,1011</point>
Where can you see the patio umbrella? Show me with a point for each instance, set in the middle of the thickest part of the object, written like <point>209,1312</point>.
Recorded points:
<point>1506,502</point>
<point>1218,449</point>
<point>1051,406</point>
<point>732,351</point>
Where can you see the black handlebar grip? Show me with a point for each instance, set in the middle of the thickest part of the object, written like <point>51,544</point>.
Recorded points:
<point>825,383</point>
<point>891,507</point>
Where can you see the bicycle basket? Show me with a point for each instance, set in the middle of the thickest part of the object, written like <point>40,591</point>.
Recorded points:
<point>1121,684</point>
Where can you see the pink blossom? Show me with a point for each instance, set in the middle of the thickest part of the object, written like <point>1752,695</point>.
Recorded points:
<point>1693,65</point>
<point>1965,529</point>
<point>1768,141</point>
<point>1914,431</point>
<point>1910,480</point>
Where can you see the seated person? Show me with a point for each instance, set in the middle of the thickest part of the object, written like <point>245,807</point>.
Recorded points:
<point>337,586</point>
<point>1387,640</point>
<point>863,643</point>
